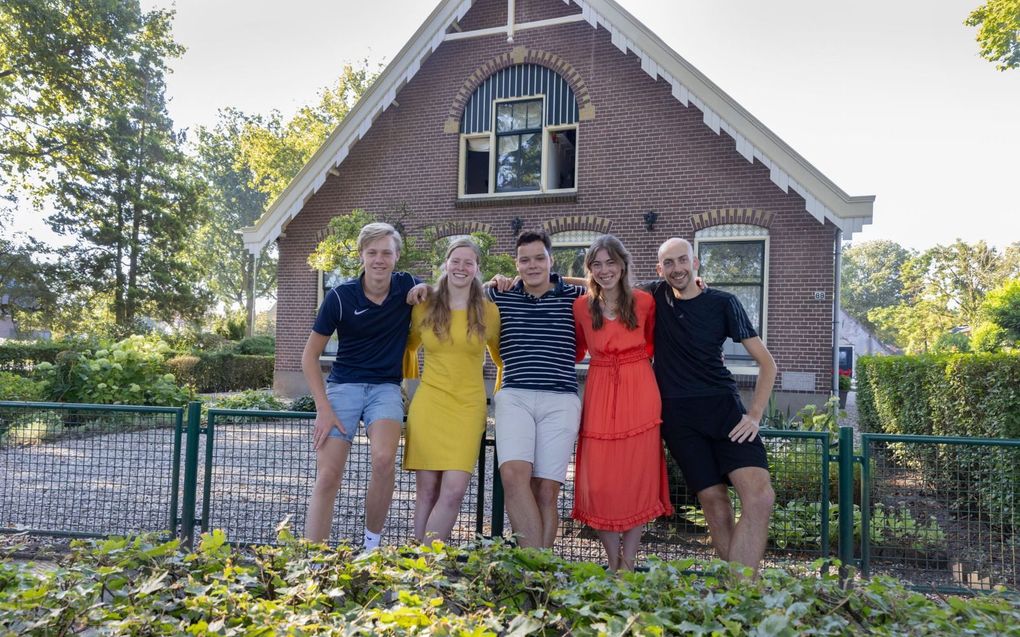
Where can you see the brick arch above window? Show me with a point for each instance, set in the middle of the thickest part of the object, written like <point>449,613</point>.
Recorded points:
<point>520,55</point>
<point>600,225</point>
<point>456,228</point>
<point>736,216</point>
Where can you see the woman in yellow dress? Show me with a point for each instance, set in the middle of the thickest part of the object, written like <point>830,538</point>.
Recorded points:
<point>446,420</point>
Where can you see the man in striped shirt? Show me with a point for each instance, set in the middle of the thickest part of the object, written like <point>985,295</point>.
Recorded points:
<point>537,409</point>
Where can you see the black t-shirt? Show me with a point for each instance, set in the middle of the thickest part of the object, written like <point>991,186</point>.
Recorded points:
<point>689,337</point>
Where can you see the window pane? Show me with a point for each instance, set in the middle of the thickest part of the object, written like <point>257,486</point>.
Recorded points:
<point>568,260</point>
<point>504,117</point>
<point>534,114</point>
<point>731,262</point>
<point>506,162</point>
<point>520,115</point>
<point>530,168</point>
<point>750,297</point>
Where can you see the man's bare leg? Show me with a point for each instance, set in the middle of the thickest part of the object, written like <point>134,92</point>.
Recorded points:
<point>715,502</point>
<point>751,532</point>
<point>384,435</point>
<point>520,502</point>
<point>330,461</point>
<point>547,495</point>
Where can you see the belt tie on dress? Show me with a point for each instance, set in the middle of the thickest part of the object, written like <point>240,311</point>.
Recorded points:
<point>614,363</point>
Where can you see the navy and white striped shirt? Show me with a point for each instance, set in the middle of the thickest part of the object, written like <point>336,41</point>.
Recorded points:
<point>536,337</point>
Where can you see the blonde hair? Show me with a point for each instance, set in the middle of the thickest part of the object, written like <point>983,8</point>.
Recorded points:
<point>596,295</point>
<point>378,230</point>
<point>437,312</point>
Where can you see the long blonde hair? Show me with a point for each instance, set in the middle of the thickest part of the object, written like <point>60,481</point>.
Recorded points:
<point>596,295</point>
<point>437,312</point>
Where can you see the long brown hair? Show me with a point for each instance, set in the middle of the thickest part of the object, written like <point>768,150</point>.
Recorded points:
<point>596,295</point>
<point>437,312</point>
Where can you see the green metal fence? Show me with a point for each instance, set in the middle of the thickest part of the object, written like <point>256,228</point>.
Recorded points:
<point>941,512</point>
<point>88,470</point>
<point>938,512</point>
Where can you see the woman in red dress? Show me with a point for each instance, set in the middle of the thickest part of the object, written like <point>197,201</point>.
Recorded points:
<point>620,471</point>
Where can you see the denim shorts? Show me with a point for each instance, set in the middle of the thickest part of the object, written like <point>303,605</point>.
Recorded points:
<point>363,402</point>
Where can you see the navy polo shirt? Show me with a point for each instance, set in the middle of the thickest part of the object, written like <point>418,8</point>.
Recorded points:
<point>372,337</point>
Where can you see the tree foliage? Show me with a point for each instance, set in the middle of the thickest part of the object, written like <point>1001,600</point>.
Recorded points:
<point>274,149</point>
<point>998,35</point>
<point>871,277</point>
<point>24,282</point>
<point>229,203</point>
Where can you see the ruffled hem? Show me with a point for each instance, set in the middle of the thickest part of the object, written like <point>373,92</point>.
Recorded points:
<point>622,524</point>
<point>619,435</point>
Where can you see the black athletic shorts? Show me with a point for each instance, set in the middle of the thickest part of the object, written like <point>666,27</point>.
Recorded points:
<point>696,431</point>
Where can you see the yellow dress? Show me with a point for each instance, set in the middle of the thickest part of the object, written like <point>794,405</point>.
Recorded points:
<point>446,420</point>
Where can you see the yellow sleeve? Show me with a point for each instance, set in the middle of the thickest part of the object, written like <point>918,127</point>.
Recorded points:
<point>410,364</point>
<point>492,340</point>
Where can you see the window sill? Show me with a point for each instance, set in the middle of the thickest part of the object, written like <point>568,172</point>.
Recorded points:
<point>516,199</point>
<point>742,369</point>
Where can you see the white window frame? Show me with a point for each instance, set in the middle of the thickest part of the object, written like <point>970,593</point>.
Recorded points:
<point>320,297</point>
<point>742,367</point>
<point>491,136</point>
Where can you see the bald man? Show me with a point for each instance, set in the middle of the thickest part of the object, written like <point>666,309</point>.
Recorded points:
<point>708,431</point>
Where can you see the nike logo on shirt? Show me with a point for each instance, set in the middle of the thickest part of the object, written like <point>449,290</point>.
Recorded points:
<point>359,312</point>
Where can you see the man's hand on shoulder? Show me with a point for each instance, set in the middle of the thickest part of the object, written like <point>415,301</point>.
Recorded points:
<point>502,283</point>
<point>746,430</point>
<point>418,294</point>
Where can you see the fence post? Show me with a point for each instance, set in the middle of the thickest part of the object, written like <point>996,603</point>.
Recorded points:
<point>191,474</point>
<point>846,495</point>
<point>497,496</point>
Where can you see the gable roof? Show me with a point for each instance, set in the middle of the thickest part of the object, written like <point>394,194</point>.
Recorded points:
<point>823,199</point>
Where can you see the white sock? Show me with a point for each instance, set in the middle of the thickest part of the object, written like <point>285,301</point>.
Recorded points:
<point>372,539</point>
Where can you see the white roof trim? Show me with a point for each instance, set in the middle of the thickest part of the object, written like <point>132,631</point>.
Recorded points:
<point>823,199</point>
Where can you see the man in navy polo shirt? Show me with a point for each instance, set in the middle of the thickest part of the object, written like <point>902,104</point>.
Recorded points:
<point>371,318</point>
<point>708,431</point>
<point>537,409</point>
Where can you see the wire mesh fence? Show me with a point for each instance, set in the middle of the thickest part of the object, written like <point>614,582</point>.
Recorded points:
<point>87,470</point>
<point>941,512</point>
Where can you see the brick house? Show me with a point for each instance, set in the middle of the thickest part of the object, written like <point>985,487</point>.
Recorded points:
<point>573,117</point>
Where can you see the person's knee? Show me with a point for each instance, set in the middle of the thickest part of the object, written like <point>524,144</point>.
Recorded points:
<point>328,479</point>
<point>758,500</point>
<point>548,493</point>
<point>515,474</point>
<point>715,498</point>
<point>383,462</point>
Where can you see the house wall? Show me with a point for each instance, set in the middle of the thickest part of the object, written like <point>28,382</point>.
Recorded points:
<point>642,151</point>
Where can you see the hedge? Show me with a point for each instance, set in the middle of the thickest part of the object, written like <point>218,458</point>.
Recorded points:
<point>223,371</point>
<point>948,395</point>
<point>974,395</point>
<point>21,357</point>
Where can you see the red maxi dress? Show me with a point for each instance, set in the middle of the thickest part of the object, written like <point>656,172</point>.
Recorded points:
<point>620,471</point>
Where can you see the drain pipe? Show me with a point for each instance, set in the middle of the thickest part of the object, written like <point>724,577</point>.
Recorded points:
<point>838,249</point>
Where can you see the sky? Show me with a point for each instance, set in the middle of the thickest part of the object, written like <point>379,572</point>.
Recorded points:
<point>885,98</point>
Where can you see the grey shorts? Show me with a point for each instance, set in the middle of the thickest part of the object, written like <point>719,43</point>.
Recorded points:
<point>539,427</point>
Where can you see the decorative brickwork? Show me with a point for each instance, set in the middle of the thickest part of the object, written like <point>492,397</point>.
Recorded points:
<point>721,216</point>
<point>452,228</point>
<point>577,222</point>
<point>520,55</point>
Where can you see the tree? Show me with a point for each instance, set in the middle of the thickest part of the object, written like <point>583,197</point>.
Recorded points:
<point>230,203</point>
<point>274,150</point>
<point>132,207</point>
<point>25,290</point>
<point>1002,307</point>
<point>61,63</point>
<point>998,35</point>
<point>871,277</point>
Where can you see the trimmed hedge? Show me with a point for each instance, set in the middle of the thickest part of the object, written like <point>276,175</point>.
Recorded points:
<point>975,395</point>
<point>947,395</point>
<point>21,357</point>
<point>224,371</point>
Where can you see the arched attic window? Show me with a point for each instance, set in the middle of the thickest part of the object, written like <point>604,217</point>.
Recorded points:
<point>519,134</point>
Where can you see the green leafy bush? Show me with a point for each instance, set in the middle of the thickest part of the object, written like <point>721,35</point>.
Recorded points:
<point>252,399</point>
<point>21,357</point>
<point>224,371</point>
<point>131,372</point>
<point>140,586</point>
<point>16,387</point>
<point>256,346</point>
<point>303,403</point>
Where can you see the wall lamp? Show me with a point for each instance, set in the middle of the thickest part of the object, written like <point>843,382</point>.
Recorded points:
<point>650,218</point>
<point>515,225</point>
